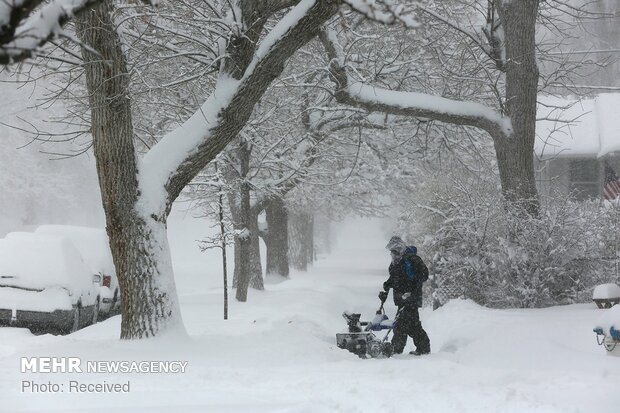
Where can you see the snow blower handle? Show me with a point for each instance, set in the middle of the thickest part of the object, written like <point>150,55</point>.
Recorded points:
<point>382,296</point>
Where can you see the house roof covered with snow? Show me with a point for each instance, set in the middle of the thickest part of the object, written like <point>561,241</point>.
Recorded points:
<point>578,127</point>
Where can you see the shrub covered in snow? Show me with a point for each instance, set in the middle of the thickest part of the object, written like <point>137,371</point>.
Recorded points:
<point>478,248</point>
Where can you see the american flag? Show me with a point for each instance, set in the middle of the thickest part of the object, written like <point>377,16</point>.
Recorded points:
<point>611,190</point>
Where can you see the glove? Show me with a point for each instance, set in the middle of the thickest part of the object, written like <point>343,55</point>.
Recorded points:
<point>383,296</point>
<point>386,287</point>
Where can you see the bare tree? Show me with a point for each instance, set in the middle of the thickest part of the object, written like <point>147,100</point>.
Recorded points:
<point>513,131</point>
<point>138,193</point>
<point>504,51</point>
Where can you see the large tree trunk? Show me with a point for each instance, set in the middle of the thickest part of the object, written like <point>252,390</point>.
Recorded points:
<point>515,155</point>
<point>514,146</point>
<point>301,247</point>
<point>237,221</point>
<point>322,231</point>
<point>309,238</point>
<point>276,238</point>
<point>138,239</point>
<point>148,293</point>
<point>255,265</point>
<point>238,247</point>
<point>243,244</point>
<point>136,210</point>
<point>241,211</point>
<point>236,255</point>
<point>298,258</point>
<point>248,266</point>
<point>248,270</point>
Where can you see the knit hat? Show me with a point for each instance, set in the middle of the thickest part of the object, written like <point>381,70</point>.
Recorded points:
<point>396,243</point>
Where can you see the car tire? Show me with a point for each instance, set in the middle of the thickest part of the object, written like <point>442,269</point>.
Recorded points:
<point>96,311</point>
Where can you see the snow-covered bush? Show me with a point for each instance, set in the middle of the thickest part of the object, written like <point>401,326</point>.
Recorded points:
<point>479,248</point>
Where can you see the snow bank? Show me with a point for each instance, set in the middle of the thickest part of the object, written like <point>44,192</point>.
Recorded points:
<point>38,261</point>
<point>482,360</point>
<point>606,291</point>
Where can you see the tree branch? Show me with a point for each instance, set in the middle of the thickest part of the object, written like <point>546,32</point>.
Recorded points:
<point>384,12</point>
<point>179,156</point>
<point>23,32</point>
<point>419,105</point>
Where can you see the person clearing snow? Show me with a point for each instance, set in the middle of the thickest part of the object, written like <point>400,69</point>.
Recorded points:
<point>407,275</point>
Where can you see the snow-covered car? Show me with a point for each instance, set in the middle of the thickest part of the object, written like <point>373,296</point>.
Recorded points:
<point>93,245</point>
<point>45,284</point>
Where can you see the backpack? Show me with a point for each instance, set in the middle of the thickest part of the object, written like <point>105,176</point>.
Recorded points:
<point>409,269</point>
<point>410,265</point>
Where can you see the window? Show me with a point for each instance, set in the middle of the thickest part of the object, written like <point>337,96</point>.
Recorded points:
<point>584,178</point>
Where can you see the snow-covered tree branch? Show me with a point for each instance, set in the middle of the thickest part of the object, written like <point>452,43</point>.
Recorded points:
<point>420,105</point>
<point>138,193</point>
<point>27,25</point>
<point>177,158</point>
<point>511,45</point>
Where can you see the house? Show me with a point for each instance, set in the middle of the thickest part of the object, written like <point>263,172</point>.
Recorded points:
<point>574,140</point>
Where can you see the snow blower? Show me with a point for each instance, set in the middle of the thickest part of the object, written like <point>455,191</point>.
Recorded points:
<point>361,339</point>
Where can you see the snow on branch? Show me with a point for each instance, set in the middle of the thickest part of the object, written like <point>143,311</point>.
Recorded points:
<point>419,105</point>
<point>182,153</point>
<point>26,25</point>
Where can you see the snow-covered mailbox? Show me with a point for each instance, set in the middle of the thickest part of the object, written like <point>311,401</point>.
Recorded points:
<point>45,284</point>
<point>606,295</point>
<point>93,245</point>
<point>574,141</point>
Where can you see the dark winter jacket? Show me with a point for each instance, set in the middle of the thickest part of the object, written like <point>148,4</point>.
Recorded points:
<point>403,283</point>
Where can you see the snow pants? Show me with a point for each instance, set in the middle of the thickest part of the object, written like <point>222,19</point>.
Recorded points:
<point>408,324</point>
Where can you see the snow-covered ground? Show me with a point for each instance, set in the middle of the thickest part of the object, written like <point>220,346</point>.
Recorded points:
<point>277,352</point>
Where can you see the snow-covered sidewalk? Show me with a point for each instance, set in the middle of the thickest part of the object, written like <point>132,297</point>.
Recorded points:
<point>277,352</point>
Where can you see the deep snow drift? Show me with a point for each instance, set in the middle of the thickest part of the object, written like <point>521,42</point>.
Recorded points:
<point>277,352</point>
